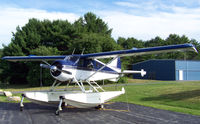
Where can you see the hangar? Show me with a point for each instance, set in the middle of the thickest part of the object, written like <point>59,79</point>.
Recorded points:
<point>168,70</point>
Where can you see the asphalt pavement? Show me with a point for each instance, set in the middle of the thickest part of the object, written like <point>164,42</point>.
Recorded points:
<point>114,113</point>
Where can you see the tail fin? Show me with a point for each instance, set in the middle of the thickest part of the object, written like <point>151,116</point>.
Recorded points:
<point>116,63</point>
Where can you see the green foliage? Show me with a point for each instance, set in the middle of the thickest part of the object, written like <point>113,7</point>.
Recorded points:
<point>33,76</point>
<point>91,24</point>
<point>1,70</point>
<point>53,38</point>
<point>123,80</point>
<point>1,52</point>
<point>43,50</point>
<point>157,41</point>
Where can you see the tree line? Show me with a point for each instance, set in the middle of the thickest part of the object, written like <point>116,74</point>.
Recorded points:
<point>60,37</point>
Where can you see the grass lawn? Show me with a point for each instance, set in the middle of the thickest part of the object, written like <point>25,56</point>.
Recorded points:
<point>175,96</point>
<point>4,99</point>
<point>181,97</point>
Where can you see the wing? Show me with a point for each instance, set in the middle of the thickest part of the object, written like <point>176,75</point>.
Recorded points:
<point>141,51</point>
<point>32,58</point>
<point>121,53</point>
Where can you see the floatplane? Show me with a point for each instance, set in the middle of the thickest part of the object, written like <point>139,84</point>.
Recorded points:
<point>86,68</point>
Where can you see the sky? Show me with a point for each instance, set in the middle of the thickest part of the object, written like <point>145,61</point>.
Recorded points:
<point>141,19</point>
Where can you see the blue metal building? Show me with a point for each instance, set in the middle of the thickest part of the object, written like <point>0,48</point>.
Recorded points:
<point>169,70</point>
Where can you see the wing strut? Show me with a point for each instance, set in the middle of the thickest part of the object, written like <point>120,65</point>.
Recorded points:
<point>101,68</point>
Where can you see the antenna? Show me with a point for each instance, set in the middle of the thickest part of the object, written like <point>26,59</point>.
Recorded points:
<point>83,51</point>
<point>73,51</point>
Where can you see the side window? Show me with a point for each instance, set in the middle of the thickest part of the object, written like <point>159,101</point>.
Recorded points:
<point>74,58</point>
<point>81,63</point>
<point>90,65</point>
<point>98,65</point>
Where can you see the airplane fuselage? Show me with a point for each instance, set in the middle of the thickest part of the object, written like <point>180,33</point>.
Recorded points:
<point>83,69</point>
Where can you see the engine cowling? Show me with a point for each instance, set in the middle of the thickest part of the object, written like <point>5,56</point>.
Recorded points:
<point>60,72</point>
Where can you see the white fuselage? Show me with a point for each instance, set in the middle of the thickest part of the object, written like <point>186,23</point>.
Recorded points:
<point>82,75</point>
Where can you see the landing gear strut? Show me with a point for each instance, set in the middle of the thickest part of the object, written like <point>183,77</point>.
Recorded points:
<point>60,105</point>
<point>21,103</point>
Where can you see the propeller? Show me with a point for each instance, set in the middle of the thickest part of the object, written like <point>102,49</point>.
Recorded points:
<point>55,68</point>
<point>45,66</point>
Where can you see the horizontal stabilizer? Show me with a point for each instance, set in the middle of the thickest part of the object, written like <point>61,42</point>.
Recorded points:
<point>142,72</point>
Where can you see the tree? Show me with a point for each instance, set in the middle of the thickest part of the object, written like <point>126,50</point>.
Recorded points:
<point>176,39</point>
<point>33,76</point>
<point>62,37</point>
<point>52,38</point>
<point>93,24</point>
<point>157,41</point>
<point>1,70</point>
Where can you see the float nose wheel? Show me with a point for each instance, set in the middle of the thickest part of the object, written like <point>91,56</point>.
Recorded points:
<point>21,108</point>
<point>60,105</point>
<point>100,106</point>
<point>57,112</point>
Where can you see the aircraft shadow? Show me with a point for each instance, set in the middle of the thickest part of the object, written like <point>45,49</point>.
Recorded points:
<point>175,96</point>
<point>42,108</point>
<point>16,106</point>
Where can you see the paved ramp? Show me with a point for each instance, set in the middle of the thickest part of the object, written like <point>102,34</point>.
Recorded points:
<point>114,114</point>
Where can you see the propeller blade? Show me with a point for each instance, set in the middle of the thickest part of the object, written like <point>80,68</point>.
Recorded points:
<point>54,68</point>
<point>45,66</point>
<point>64,71</point>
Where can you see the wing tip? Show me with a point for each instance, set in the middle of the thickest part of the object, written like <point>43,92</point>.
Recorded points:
<point>193,47</point>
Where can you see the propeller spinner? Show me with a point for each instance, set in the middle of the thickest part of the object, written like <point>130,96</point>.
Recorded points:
<point>56,70</point>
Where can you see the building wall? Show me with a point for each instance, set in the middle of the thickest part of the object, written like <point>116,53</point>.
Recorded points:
<point>156,69</point>
<point>169,70</point>
<point>190,69</point>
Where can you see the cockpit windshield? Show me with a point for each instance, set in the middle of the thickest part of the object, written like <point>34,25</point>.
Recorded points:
<point>73,59</point>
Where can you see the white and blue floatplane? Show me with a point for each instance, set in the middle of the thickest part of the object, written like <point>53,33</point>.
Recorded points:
<point>86,68</point>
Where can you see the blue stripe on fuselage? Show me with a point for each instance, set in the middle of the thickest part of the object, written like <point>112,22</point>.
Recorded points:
<point>85,64</point>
